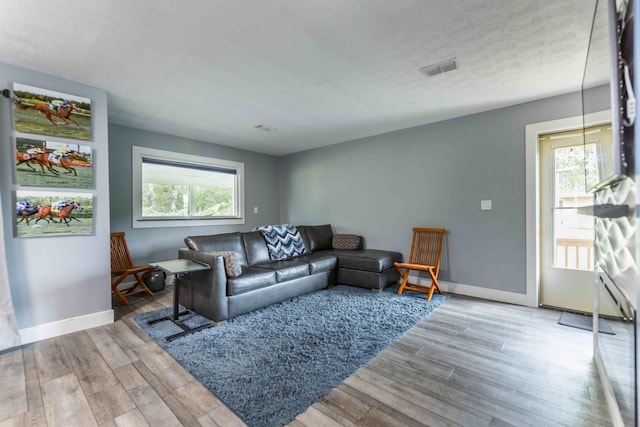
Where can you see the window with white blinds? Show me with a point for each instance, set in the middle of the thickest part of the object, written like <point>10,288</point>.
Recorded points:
<point>175,189</point>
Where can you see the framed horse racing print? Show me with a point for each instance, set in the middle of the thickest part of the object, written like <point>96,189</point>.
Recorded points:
<point>41,163</point>
<point>46,112</point>
<point>48,214</point>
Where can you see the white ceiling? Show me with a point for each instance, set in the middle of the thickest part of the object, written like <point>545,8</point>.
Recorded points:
<point>320,71</point>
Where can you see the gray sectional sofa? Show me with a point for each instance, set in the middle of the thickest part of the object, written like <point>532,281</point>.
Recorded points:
<point>261,281</point>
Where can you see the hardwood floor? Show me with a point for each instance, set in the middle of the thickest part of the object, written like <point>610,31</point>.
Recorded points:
<point>472,363</point>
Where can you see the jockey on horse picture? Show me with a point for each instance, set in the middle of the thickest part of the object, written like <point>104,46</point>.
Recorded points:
<point>64,157</point>
<point>56,108</point>
<point>37,158</point>
<point>61,209</point>
<point>24,209</point>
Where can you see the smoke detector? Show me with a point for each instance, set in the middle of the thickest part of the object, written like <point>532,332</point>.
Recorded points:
<point>440,67</point>
<point>266,128</point>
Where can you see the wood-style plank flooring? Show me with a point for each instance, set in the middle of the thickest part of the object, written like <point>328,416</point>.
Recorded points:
<point>472,363</point>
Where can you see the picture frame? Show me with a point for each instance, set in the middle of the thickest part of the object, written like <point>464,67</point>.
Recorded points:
<point>52,213</point>
<point>40,111</point>
<point>623,100</point>
<point>44,163</point>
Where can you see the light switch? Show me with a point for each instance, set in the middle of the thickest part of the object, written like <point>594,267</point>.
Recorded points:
<point>485,205</point>
<point>255,209</point>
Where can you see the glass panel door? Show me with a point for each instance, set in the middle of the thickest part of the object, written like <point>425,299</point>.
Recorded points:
<point>567,160</point>
<point>572,232</point>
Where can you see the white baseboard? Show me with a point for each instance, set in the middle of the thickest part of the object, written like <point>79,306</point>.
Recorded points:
<point>65,326</point>
<point>476,291</point>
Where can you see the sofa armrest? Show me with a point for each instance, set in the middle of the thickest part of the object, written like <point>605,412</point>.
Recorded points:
<point>205,292</point>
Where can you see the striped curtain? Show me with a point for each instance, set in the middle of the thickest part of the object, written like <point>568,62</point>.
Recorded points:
<point>9,334</point>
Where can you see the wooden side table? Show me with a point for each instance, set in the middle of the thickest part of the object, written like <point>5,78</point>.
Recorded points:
<point>178,268</point>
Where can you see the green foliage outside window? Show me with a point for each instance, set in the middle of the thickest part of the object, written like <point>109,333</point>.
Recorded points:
<point>213,201</point>
<point>170,200</point>
<point>572,163</point>
<point>164,199</point>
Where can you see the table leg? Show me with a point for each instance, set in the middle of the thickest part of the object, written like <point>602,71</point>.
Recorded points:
<point>176,298</point>
<point>175,317</point>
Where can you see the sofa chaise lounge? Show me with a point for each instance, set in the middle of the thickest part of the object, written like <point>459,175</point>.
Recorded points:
<point>220,294</point>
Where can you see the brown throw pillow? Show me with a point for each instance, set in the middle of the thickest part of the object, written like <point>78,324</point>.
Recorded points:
<point>231,265</point>
<point>346,242</point>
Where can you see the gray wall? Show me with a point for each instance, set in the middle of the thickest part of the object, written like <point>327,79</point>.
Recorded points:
<point>57,278</point>
<point>431,176</point>
<point>159,244</point>
<point>379,187</point>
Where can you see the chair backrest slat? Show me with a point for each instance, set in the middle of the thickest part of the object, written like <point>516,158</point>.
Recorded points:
<point>120,255</point>
<point>426,246</point>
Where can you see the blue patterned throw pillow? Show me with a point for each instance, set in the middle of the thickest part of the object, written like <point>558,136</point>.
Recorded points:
<point>283,241</point>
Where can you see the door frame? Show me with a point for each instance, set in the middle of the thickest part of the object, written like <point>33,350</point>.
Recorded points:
<point>532,190</point>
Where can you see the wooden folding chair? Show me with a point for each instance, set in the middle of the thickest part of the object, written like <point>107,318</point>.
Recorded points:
<point>426,249</point>
<point>122,267</point>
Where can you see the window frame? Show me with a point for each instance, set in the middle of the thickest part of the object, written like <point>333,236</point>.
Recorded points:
<point>138,221</point>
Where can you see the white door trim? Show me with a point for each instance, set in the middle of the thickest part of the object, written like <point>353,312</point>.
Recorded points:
<point>532,190</point>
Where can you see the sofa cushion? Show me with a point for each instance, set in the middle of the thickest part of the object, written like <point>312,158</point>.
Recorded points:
<point>319,262</point>
<point>225,242</point>
<point>250,279</point>
<point>368,259</point>
<point>345,241</point>
<point>255,247</point>
<point>283,241</point>
<point>286,270</point>
<point>318,237</point>
<point>232,266</point>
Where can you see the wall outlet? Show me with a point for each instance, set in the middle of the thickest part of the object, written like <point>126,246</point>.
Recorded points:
<point>255,209</point>
<point>485,205</point>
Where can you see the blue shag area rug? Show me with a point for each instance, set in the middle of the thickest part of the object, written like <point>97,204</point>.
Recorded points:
<point>271,364</point>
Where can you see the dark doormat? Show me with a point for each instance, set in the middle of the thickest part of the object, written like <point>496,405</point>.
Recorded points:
<point>582,321</point>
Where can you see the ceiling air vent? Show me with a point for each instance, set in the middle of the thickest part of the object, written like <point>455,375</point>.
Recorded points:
<point>439,68</point>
